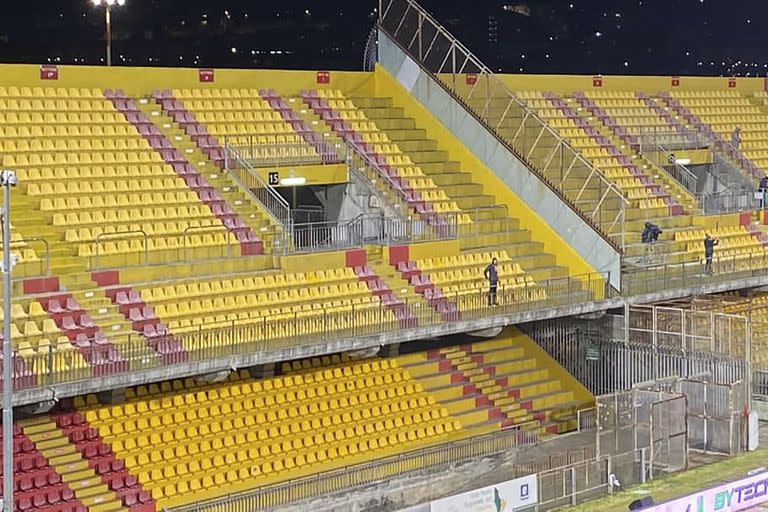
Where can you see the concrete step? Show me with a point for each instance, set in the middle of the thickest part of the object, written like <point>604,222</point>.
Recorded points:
<point>74,471</point>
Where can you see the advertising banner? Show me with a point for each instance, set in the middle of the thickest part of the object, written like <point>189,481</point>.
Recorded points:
<point>739,495</point>
<point>504,497</point>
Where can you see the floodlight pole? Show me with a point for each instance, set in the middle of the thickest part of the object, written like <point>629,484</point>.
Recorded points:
<point>7,348</point>
<point>108,18</point>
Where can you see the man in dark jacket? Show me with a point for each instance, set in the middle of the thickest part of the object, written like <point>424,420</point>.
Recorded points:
<point>650,233</point>
<point>491,273</point>
<point>709,251</point>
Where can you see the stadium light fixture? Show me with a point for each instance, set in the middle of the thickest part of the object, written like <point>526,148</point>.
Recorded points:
<point>108,4</point>
<point>293,181</point>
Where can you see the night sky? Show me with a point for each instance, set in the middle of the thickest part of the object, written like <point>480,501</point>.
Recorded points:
<point>704,37</point>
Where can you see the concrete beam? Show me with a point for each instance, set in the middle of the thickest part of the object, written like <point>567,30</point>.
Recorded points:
<point>191,369</point>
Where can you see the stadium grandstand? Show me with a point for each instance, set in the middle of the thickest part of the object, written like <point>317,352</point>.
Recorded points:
<point>236,290</point>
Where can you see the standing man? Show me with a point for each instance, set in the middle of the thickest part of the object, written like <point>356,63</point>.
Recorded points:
<point>762,188</point>
<point>492,275</point>
<point>709,251</point>
<point>736,137</point>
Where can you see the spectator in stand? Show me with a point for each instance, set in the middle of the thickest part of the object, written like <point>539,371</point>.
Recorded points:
<point>736,137</point>
<point>492,275</point>
<point>762,188</point>
<point>709,251</point>
<point>650,233</point>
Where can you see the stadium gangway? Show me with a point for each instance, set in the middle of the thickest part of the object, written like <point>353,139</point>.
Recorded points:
<point>549,156</point>
<point>719,195</point>
<point>246,175</point>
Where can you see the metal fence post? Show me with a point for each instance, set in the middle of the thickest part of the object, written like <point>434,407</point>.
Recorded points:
<point>573,487</point>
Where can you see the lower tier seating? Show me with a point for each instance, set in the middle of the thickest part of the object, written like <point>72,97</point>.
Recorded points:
<point>187,442</point>
<point>176,442</point>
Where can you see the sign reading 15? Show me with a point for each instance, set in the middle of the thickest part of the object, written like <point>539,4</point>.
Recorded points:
<point>274,178</point>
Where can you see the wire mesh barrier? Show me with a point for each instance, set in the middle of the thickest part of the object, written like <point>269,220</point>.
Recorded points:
<point>693,273</point>
<point>589,479</point>
<point>579,183</point>
<point>759,354</point>
<point>217,341</point>
<point>677,342</point>
<point>432,459</point>
<point>690,329</point>
<point>642,419</point>
<point>716,415</point>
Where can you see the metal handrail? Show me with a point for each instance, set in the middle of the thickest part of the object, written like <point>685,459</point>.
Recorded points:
<point>402,209</point>
<point>719,143</point>
<point>692,272</point>
<point>606,188</point>
<point>387,197</point>
<point>217,229</point>
<point>250,181</point>
<point>431,457</point>
<point>215,341</point>
<point>249,150</point>
<point>47,247</point>
<point>122,234</point>
<point>665,161</point>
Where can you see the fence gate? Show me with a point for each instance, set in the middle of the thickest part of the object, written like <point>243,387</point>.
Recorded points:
<point>615,418</point>
<point>715,415</point>
<point>669,434</point>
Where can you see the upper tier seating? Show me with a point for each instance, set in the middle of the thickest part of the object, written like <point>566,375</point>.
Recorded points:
<point>346,118</point>
<point>248,118</point>
<point>94,173</point>
<point>614,161</point>
<point>35,333</point>
<point>723,111</point>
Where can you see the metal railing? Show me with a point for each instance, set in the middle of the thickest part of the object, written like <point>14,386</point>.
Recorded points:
<point>674,141</point>
<point>376,179</point>
<point>43,263</point>
<point>327,236</point>
<point>724,197</point>
<point>169,248</point>
<point>551,158</point>
<point>433,459</point>
<point>693,272</point>
<point>122,235</point>
<point>215,341</point>
<point>729,201</point>
<point>259,154</point>
<point>663,159</point>
<point>186,245</point>
<point>249,180</point>
<point>647,254</point>
<point>576,483</point>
